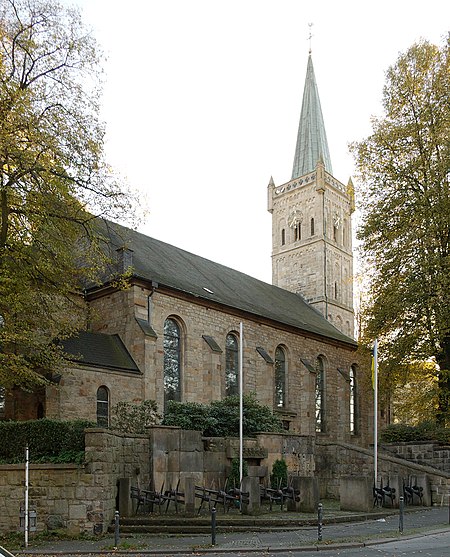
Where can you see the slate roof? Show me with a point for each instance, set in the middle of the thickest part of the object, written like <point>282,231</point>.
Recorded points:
<point>312,144</point>
<point>98,349</point>
<point>167,265</point>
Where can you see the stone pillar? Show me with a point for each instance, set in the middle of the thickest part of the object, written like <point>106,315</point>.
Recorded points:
<point>189,496</point>
<point>251,486</point>
<point>309,494</point>
<point>395,482</point>
<point>423,481</point>
<point>356,493</point>
<point>125,502</point>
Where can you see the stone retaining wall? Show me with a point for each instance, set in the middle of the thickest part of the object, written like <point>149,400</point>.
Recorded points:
<point>428,454</point>
<point>77,498</point>
<point>335,460</point>
<point>84,498</point>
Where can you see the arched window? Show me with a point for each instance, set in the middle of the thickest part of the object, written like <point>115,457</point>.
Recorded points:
<point>231,365</point>
<point>312,226</point>
<point>320,395</point>
<point>103,407</point>
<point>2,401</point>
<point>280,377</point>
<point>172,361</point>
<point>353,401</point>
<point>298,232</point>
<point>283,236</point>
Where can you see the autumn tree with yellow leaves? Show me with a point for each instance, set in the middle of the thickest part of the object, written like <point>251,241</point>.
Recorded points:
<point>54,182</point>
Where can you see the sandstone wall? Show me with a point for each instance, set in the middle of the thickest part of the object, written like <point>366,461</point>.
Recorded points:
<point>77,498</point>
<point>203,370</point>
<point>334,460</point>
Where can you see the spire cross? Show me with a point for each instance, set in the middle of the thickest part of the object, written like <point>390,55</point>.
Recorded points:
<point>310,35</point>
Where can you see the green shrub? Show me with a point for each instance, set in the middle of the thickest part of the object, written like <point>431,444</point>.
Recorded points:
<point>234,477</point>
<point>426,431</point>
<point>47,440</point>
<point>127,417</point>
<point>279,476</point>
<point>188,415</point>
<point>221,417</point>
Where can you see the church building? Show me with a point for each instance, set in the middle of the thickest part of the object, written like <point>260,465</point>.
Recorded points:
<point>175,332</point>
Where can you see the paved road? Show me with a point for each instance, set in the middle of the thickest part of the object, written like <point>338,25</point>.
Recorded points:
<point>426,532</point>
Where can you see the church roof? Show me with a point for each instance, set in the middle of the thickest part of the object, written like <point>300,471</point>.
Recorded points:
<point>99,349</point>
<point>312,144</point>
<point>177,269</point>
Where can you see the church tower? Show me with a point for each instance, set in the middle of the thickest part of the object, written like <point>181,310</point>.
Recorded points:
<point>311,221</point>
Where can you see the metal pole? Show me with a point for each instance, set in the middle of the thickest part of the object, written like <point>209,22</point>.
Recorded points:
<point>241,403</point>
<point>319,522</point>
<point>213,526</point>
<point>375,410</point>
<point>116,529</point>
<point>27,474</point>
<point>401,509</point>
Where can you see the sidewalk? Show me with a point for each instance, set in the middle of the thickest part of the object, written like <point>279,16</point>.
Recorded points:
<point>421,521</point>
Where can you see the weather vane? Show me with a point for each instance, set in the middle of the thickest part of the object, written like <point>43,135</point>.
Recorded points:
<point>310,35</point>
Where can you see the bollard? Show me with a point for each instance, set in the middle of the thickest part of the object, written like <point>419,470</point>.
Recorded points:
<point>319,522</point>
<point>213,526</point>
<point>401,510</point>
<point>116,529</point>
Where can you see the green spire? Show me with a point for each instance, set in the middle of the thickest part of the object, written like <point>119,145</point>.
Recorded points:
<point>312,144</point>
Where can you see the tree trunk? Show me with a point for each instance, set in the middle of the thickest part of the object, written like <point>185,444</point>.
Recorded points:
<point>443,360</point>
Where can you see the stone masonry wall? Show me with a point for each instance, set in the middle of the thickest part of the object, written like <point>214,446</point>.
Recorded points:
<point>203,370</point>
<point>334,460</point>
<point>428,454</point>
<point>78,498</point>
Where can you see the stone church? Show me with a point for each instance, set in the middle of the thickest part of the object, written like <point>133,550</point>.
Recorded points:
<point>174,334</point>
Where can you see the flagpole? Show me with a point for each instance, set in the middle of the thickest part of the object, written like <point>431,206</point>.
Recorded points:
<point>375,410</point>
<point>241,403</point>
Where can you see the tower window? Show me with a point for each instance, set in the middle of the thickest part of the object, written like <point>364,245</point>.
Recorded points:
<point>283,237</point>
<point>172,361</point>
<point>280,377</point>
<point>335,233</point>
<point>298,232</point>
<point>312,226</point>
<point>336,291</point>
<point>231,365</point>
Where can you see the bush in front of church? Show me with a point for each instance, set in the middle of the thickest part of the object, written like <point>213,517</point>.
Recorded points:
<point>220,418</point>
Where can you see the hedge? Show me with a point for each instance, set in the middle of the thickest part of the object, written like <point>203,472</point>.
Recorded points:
<point>220,418</point>
<point>47,440</point>
<point>427,431</point>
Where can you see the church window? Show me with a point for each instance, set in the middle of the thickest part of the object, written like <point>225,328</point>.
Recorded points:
<point>2,401</point>
<point>336,292</point>
<point>280,377</point>
<point>312,226</point>
<point>320,395</point>
<point>298,232</point>
<point>172,361</point>
<point>353,401</point>
<point>335,233</point>
<point>231,365</point>
<point>283,237</point>
<point>103,407</point>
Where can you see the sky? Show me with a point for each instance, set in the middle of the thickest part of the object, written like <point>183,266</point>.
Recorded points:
<point>202,100</point>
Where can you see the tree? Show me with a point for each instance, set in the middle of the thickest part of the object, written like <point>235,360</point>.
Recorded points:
<point>404,196</point>
<point>53,183</point>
